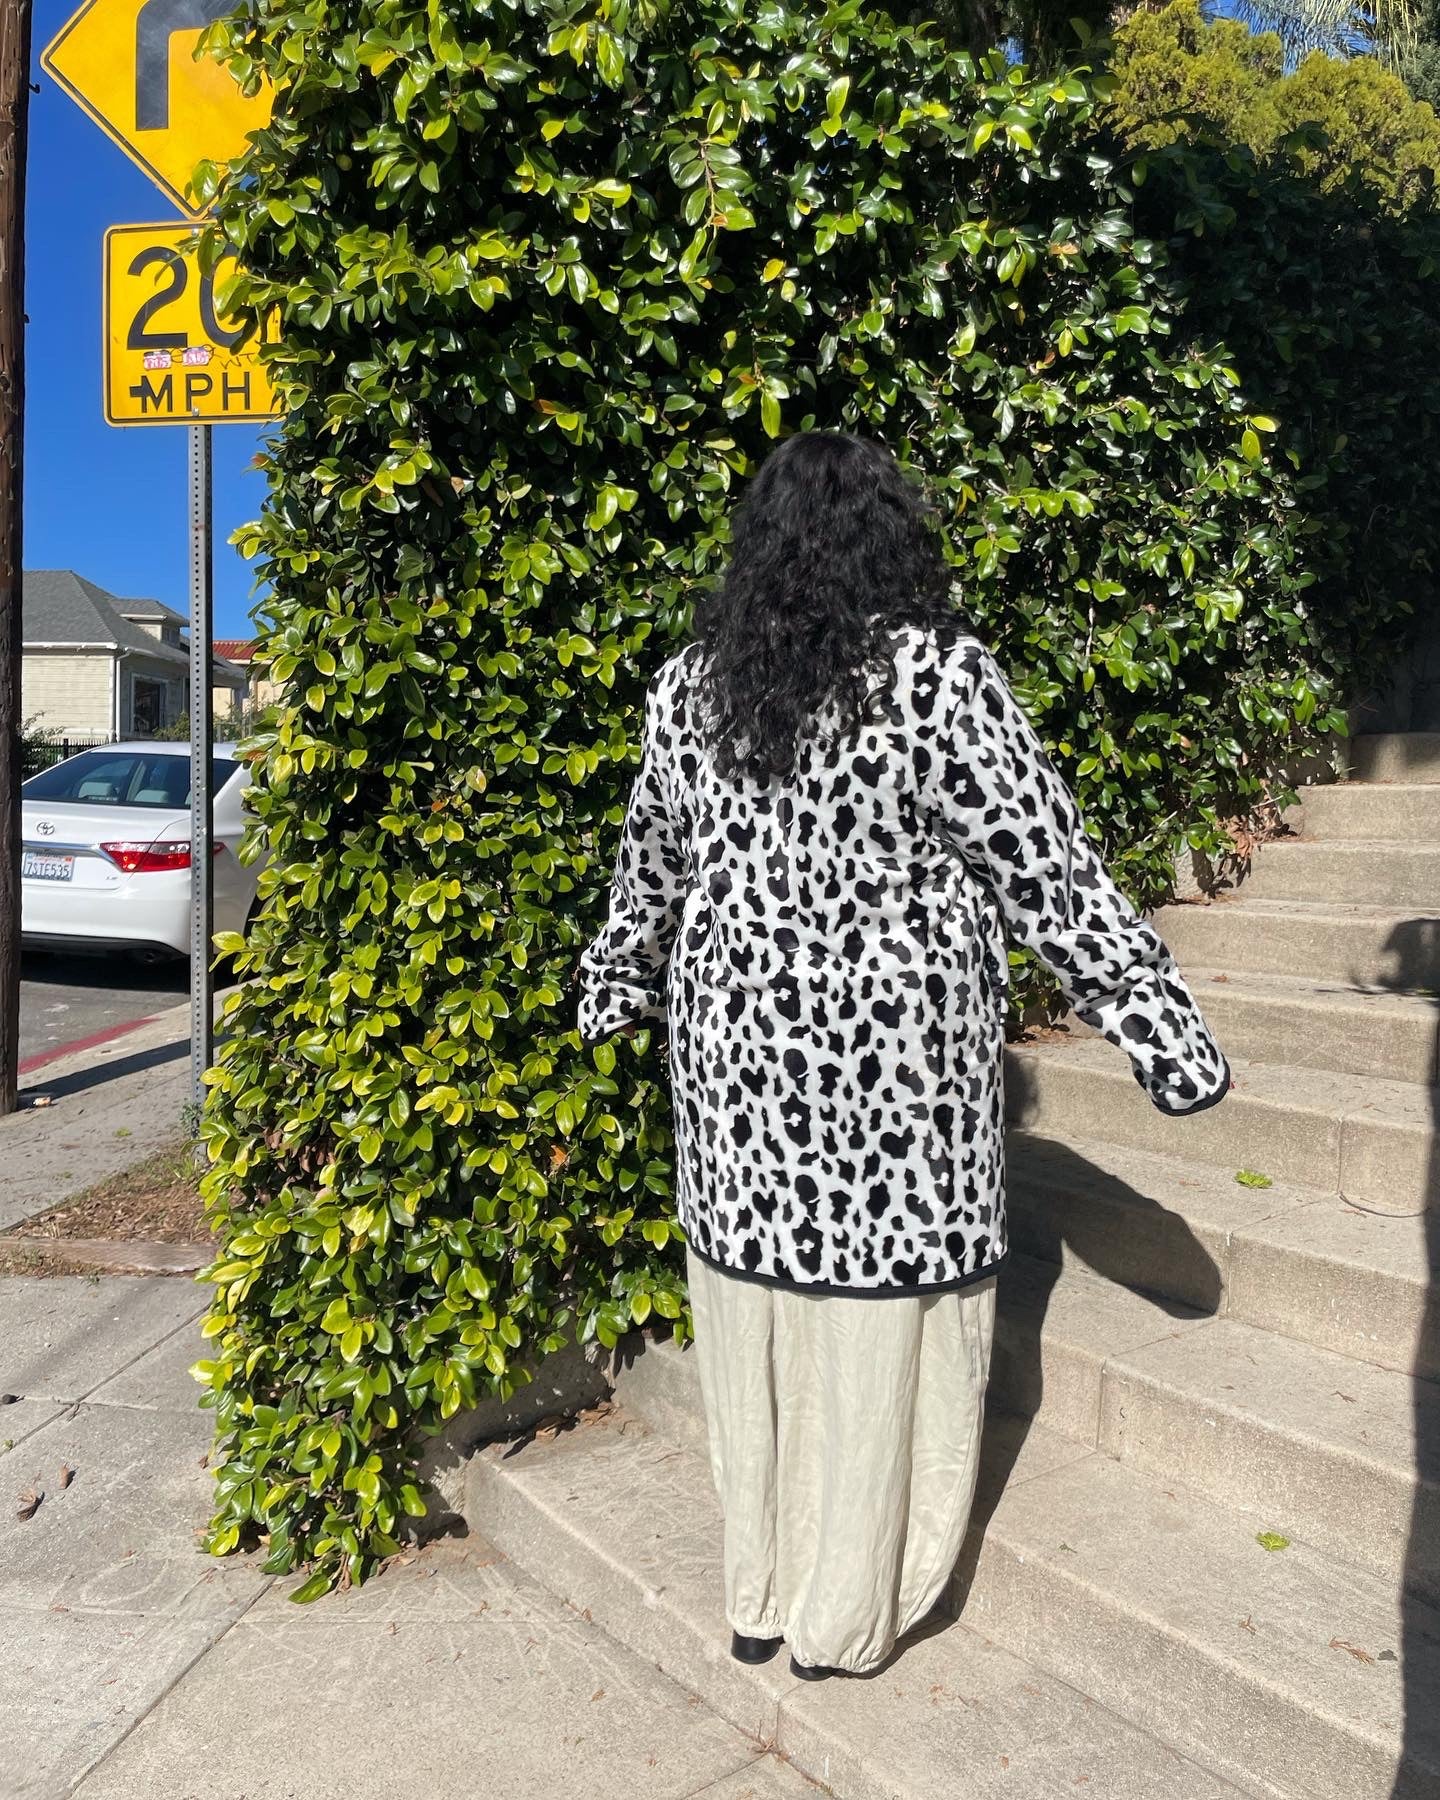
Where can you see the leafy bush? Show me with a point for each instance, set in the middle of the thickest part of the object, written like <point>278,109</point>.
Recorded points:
<point>1298,212</point>
<point>1173,66</point>
<point>225,727</point>
<point>550,280</point>
<point>38,746</point>
<point>1328,304</point>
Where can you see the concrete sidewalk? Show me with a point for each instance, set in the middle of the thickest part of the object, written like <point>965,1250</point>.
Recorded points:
<point>132,1665</point>
<point>93,1112</point>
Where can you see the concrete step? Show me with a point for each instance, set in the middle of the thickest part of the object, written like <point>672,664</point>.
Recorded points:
<point>1395,756</point>
<point>1370,871</point>
<point>1054,1335</point>
<point>1359,1283</point>
<point>658,1383</point>
<point>1317,1024</point>
<point>1241,1654</point>
<point>1367,809</point>
<point>1340,1453</point>
<point>1048,1359</point>
<point>1374,1141</point>
<point>1057,1332</point>
<point>1364,946</point>
<point>623,1524</point>
<point>1343,1454</point>
<point>1293,1260</point>
<point>1285,1669</point>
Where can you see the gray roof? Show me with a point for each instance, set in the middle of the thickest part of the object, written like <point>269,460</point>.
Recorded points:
<point>147,608</point>
<point>58,606</point>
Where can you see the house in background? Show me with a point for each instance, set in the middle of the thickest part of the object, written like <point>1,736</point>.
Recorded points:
<point>96,667</point>
<point>260,689</point>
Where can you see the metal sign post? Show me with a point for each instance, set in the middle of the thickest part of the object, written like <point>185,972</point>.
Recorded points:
<point>202,718</point>
<point>169,358</point>
<point>14,114</point>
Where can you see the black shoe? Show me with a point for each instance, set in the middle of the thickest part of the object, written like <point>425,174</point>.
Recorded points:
<point>809,1672</point>
<point>752,1649</point>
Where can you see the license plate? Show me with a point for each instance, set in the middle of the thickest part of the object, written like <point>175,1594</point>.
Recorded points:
<point>35,865</point>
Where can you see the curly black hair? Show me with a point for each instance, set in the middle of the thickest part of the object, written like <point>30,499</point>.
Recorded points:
<point>832,548</point>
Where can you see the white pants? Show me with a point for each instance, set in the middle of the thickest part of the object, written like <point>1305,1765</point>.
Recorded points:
<point>845,1440</point>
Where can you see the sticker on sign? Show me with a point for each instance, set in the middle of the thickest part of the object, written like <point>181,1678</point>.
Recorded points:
<point>170,357</point>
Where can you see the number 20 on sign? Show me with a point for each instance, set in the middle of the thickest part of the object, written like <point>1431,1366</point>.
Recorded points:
<point>170,359</point>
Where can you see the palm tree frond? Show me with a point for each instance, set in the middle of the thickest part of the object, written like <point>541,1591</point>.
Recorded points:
<point>1386,28</point>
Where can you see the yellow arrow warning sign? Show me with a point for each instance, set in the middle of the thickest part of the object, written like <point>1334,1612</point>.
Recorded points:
<point>131,65</point>
<point>170,359</point>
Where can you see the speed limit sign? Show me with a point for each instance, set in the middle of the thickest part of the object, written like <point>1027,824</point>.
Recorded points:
<point>138,69</point>
<point>170,357</point>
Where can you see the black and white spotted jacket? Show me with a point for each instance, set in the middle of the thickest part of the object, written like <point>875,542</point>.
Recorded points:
<point>829,953</point>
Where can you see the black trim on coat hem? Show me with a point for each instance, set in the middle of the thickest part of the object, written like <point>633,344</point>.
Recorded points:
<point>915,1291</point>
<point>1185,1112</point>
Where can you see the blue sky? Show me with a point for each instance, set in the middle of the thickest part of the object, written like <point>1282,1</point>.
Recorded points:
<point>107,501</point>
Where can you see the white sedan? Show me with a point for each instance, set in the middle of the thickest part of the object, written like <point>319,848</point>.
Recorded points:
<point>105,850</point>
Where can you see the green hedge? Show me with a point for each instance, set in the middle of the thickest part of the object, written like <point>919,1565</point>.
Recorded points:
<point>1331,307</point>
<point>551,280</point>
<point>1173,67</point>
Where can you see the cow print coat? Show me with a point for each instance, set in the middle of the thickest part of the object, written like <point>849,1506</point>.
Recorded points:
<point>828,951</point>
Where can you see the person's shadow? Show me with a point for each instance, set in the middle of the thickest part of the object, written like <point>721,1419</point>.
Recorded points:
<point>1154,1238</point>
<point>1414,950</point>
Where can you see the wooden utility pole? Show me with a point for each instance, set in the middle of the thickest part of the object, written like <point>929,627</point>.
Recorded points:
<point>14,116</point>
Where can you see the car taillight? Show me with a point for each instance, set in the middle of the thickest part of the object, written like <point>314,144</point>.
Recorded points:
<point>146,859</point>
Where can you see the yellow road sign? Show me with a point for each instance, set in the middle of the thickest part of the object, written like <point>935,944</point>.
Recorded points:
<point>131,65</point>
<point>169,358</point>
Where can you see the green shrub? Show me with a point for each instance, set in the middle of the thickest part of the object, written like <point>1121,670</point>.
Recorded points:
<point>1173,67</point>
<point>1298,211</point>
<point>551,279</point>
<point>1329,306</point>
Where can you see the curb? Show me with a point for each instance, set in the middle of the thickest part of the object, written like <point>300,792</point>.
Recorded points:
<point>106,1035</point>
<point>114,1256</point>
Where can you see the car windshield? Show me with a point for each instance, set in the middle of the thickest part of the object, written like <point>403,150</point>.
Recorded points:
<point>123,778</point>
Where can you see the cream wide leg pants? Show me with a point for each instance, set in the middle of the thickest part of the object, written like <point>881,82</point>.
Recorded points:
<point>844,1440</point>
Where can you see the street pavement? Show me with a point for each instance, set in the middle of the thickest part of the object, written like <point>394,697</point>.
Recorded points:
<point>63,998</point>
<point>132,1665</point>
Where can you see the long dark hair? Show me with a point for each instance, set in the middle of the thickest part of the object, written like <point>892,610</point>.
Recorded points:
<point>833,547</point>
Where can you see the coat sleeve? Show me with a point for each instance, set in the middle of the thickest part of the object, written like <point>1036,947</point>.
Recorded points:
<point>623,969</point>
<point>1019,829</point>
